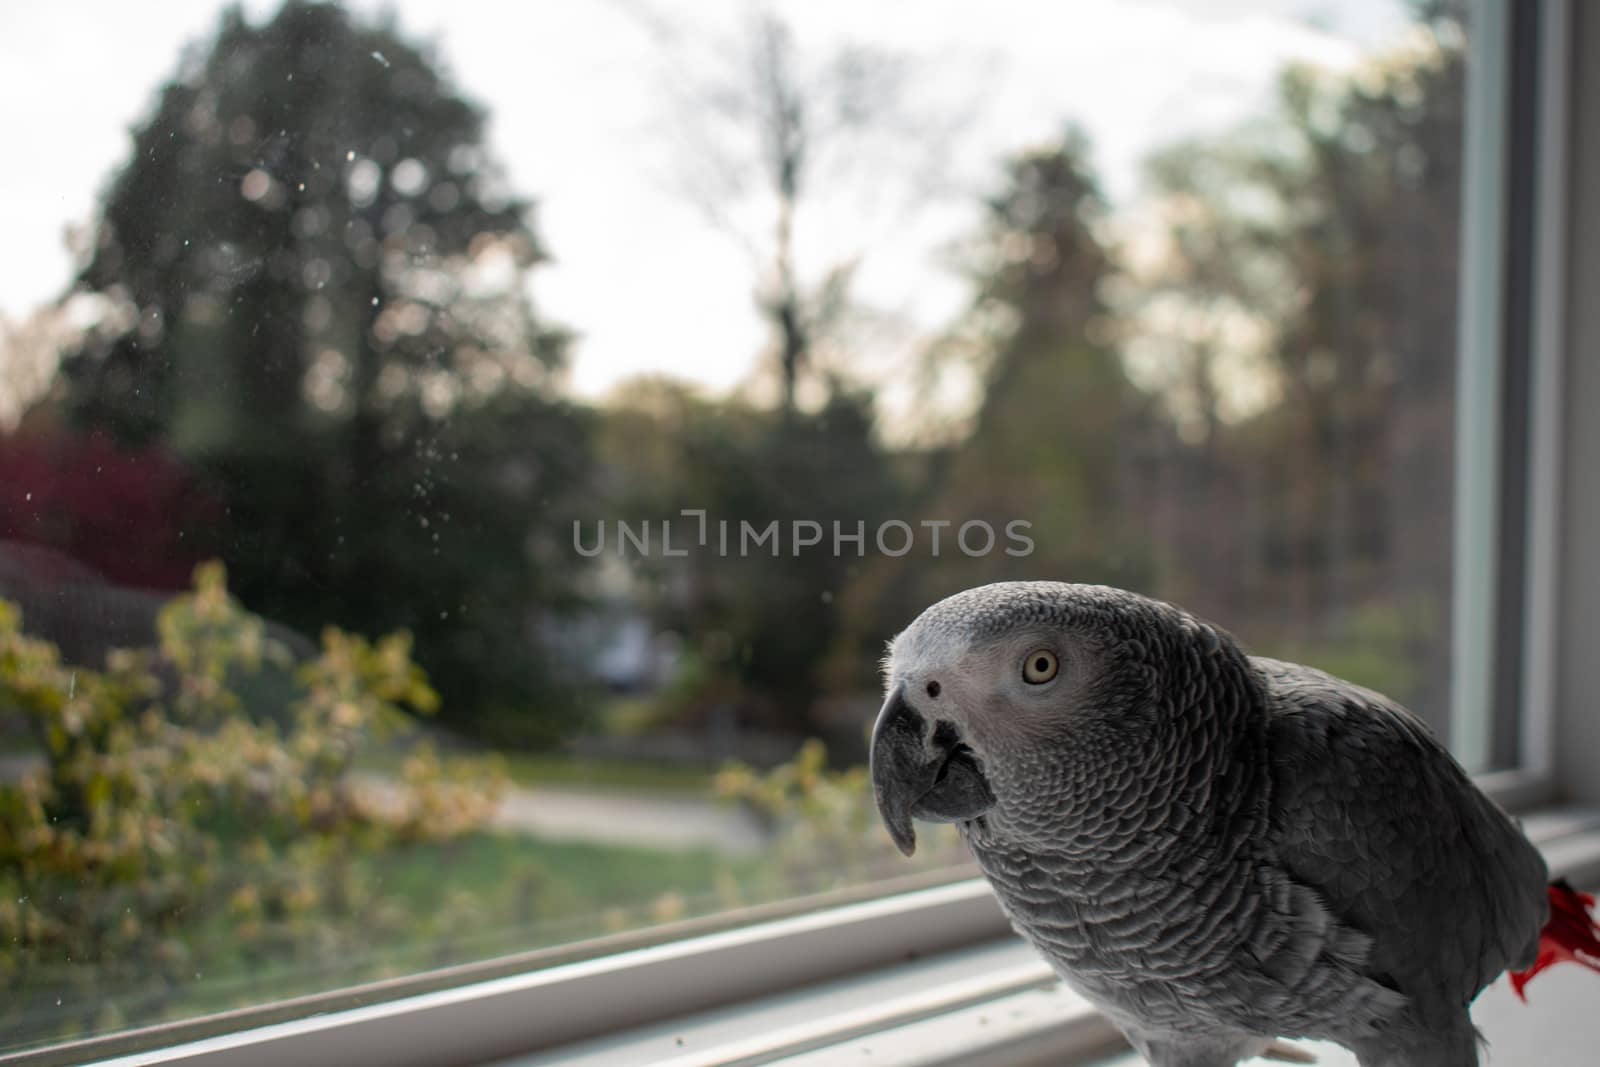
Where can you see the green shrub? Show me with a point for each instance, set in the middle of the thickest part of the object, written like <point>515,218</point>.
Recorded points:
<point>825,828</point>
<point>168,830</point>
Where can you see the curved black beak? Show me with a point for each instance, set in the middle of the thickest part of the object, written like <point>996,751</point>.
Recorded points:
<point>921,772</point>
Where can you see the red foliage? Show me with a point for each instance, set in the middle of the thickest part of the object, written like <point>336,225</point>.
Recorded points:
<point>132,516</point>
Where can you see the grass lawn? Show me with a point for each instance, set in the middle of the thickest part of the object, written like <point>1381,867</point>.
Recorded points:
<point>526,880</point>
<point>534,769</point>
<point>428,905</point>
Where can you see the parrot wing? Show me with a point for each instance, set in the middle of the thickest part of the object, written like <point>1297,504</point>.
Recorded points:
<point>1372,813</point>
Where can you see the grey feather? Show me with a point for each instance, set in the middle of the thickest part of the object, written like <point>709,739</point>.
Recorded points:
<point>1219,850</point>
<point>1370,809</point>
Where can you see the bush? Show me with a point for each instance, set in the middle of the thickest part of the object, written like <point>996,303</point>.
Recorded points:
<point>169,828</point>
<point>207,829</point>
<point>825,829</point>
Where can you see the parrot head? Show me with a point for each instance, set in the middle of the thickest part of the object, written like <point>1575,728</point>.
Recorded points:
<point>1020,703</point>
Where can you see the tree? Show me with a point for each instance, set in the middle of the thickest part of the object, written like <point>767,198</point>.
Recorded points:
<point>1058,415</point>
<point>775,131</point>
<point>1057,430</point>
<point>314,282</point>
<point>120,513</point>
<point>1324,238</point>
<point>28,349</point>
<point>1059,435</point>
<point>760,616</point>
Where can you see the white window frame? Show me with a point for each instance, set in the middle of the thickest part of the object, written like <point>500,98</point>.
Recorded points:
<point>1478,440</point>
<point>1548,343</point>
<point>1485,352</point>
<point>539,1001</point>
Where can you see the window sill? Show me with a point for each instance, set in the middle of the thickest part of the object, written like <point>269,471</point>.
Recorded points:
<point>835,986</point>
<point>973,999</point>
<point>1028,1019</point>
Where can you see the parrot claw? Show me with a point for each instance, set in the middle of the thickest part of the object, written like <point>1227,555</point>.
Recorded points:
<point>1282,1052</point>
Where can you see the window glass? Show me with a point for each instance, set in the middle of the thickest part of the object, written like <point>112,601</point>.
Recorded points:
<point>459,466</point>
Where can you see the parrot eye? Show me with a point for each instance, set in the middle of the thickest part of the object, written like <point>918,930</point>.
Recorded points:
<point>1039,667</point>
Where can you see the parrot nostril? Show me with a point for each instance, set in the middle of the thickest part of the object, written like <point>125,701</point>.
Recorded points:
<point>933,689</point>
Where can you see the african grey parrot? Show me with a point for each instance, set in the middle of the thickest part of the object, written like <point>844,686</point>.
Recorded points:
<point>1217,850</point>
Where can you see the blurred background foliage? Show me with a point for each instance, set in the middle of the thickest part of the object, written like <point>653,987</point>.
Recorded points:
<point>314,358</point>
<point>195,839</point>
<point>173,829</point>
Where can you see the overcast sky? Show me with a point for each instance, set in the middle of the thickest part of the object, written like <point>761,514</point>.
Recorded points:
<point>579,117</point>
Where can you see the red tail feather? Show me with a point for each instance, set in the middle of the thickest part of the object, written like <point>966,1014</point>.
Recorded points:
<point>1570,934</point>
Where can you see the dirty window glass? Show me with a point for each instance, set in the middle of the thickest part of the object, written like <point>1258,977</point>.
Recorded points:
<point>459,468</point>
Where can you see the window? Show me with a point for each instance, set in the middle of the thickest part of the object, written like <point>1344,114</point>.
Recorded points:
<point>401,578</point>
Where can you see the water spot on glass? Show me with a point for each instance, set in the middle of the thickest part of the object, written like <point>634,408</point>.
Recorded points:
<point>363,181</point>
<point>444,615</point>
<point>28,496</point>
<point>374,301</point>
<point>256,186</point>
<point>409,177</point>
<point>317,273</point>
<point>379,57</point>
<point>350,155</point>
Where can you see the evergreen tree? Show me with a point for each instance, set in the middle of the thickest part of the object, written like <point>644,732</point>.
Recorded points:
<point>315,283</point>
<point>1058,433</point>
<point>1331,225</point>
